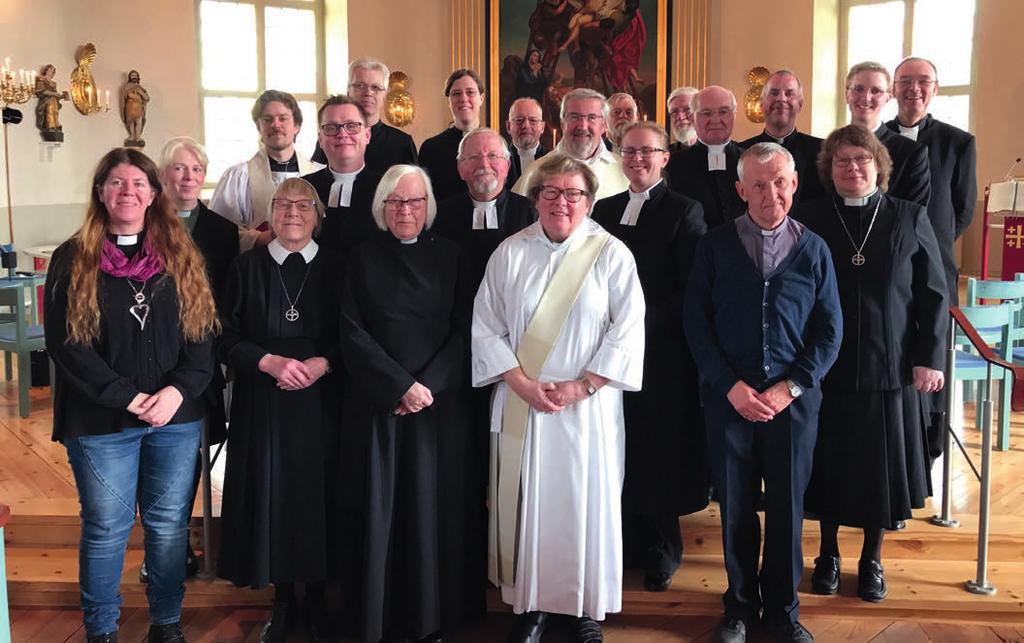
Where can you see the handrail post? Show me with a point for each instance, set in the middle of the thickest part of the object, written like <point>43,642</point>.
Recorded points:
<point>980,584</point>
<point>204,455</point>
<point>945,519</point>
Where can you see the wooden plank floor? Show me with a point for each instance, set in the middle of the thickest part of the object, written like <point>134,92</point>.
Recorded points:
<point>926,565</point>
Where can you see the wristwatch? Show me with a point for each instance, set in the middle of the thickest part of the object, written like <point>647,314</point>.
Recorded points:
<point>588,386</point>
<point>794,389</point>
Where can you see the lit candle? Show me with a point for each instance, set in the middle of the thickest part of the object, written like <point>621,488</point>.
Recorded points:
<point>108,99</point>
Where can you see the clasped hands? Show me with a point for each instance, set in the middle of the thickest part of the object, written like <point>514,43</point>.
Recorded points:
<point>292,374</point>
<point>156,409</point>
<point>759,407</point>
<point>417,398</point>
<point>549,397</point>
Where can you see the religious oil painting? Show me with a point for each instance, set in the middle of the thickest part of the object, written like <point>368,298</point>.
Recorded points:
<point>545,48</point>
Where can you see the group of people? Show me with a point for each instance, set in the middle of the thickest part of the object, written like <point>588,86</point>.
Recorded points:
<point>489,361</point>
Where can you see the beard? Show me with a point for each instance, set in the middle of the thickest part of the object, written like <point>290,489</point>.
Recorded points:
<point>525,141</point>
<point>581,148</point>
<point>684,133</point>
<point>485,184</point>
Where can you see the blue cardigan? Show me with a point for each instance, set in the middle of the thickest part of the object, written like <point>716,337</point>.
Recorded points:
<point>742,326</point>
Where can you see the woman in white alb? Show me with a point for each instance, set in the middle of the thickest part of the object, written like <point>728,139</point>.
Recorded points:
<point>558,324</point>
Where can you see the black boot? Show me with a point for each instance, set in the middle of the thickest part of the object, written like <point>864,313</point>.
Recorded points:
<point>529,627</point>
<point>275,630</point>
<point>109,637</point>
<point>170,633</point>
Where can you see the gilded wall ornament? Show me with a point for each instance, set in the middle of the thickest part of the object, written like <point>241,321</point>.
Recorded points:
<point>756,78</point>
<point>399,108</point>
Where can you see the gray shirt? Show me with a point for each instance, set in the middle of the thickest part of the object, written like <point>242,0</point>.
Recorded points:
<point>768,248</point>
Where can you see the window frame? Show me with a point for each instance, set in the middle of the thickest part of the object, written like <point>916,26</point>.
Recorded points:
<point>260,6</point>
<point>842,113</point>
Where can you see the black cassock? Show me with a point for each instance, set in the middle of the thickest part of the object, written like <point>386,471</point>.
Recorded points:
<point>870,461</point>
<point>455,222</point>
<point>217,240</point>
<point>910,179</point>
<point>437,157</point>
<point>688,175</point>
<point>404,479</point>
<point>274,512</point>
<point>666,451</point>
<point>804,149</point>
<point>344,228</point>
<point>515,165</point>
<point>388,146</point>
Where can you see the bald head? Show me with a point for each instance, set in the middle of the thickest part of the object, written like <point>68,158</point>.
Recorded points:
<point>714,110</point>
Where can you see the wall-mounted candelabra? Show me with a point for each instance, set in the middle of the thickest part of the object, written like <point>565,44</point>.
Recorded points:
<point>15,89</point>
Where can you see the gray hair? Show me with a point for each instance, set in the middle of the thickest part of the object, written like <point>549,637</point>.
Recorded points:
<point>782,72</point>
<point>372,64</point>
<point>525,99</point>
<point>911,59</point>
<point>868,65</point>
<point>695,103</point>
<point>182,143</point>
<point>478,132</point>
<point>620,96</point>
<point>387,185</point>
<point>680,91</point>
<point>584,93</point>
<point>762,153</point>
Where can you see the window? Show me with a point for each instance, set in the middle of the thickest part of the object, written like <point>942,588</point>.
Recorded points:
<point>888,31</point>
<point>247,47</point>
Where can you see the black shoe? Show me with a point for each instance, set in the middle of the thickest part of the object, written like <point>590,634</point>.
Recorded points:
<point>587,630</point>
<point>170,633</point>
<point>314,617</point>
<point>109,637</point>
<point>731,630</point>
<point>275,630</point>
<point>657,581</point>
<point>529,627</point>
<point>871,581</point>
<point>899,525</point>
<point>825,579</point>
<point>143,573</point>
<point>431,638</point>
<point>790,633</point>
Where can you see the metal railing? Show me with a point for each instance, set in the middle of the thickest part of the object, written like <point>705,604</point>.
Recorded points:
<point>980,584</point>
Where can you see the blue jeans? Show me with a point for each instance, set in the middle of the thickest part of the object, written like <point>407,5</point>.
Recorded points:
<point>152,467</point>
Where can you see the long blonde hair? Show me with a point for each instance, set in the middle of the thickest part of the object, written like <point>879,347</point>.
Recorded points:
<point>182,260</point>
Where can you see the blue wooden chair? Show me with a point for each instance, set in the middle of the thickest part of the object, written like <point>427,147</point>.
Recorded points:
<point>970,367</point>
<point>21,337</point>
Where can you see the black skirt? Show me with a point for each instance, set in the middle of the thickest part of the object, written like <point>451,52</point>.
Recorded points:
<point>870,462</point>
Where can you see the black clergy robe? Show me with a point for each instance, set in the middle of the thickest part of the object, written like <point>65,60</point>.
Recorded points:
<point>274,513</point>
<point>437,157</point>
<point>405,479</point>
<point>870,464</point>
<point>217,240</point>
<point>515,168</point>
<point>666,462</point>
<point>455,222</point>
<point>688,175</point>
<point>344,228</point>
<point>910,179</point>
<point>388,146</point>
<point>804,149</point>
<point>952,158</point>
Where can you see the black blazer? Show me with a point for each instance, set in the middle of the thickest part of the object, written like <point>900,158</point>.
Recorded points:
<point>688,175</point>
<point>910,178</point>
<point>515,168</point>
<point>345,228</point>
<point>217,239</point>
<point>804,149</point>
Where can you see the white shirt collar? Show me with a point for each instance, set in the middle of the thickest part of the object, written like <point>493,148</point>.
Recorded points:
<point>636,203</point>
<point>527,151</point>
<point>341,189</point>
<point>408,242</point>
<point>909,132</point>
<point>279,253</point>
<point>780,139</point>
<point>858,201</point>
<point>485,214</point>
<point>127,239</point>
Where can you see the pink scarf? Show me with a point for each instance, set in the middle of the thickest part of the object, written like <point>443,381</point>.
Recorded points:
<point>143,264</point>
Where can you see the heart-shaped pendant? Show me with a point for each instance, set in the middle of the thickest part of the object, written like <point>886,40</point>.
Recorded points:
<point>141,313</point>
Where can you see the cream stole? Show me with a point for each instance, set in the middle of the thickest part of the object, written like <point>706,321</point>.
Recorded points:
<point>261,185</point>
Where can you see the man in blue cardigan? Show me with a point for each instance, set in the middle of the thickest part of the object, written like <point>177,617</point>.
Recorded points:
<point>763,321</point>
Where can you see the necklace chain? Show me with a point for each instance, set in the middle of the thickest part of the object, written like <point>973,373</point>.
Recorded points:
<point>858,256</point>
<point>292,314</point>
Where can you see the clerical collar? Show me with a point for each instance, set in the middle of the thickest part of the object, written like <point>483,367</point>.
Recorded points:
<point>855,202</point>
<point>484,204</point>
<point>528,151</point>
<point>716,148</point>
<point>347,176</point>
<point>341,190</point>
<point>184,214</point>
<point>716,157</point>
<point>646,194</point>
<point>631,214</point>
<point>279,253</point>
<point>291,165</point>
<point>754,225</point>
<point>126,239</point>
<point>485,214</point>
<point>780,139</point>
<point>408,242</point>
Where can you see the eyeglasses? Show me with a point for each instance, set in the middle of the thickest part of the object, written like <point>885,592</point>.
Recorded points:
<point>302,205</point>
<point>844,161</point>
<point>365,89</point>
<point>920,82</point>
<point>519,122</point>
<point>721,112</point>
<point>491,158</point>
<point>572,195</point>
<point>680,111</point>
<point>645,152</point>
<point>575,117</point>
<point>398,204</point>
<point>351,127</point>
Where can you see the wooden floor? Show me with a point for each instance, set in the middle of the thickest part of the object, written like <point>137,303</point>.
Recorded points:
<point>925,565</point>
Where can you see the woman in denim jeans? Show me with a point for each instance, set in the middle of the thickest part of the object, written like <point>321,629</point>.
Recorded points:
<point>129,323</point>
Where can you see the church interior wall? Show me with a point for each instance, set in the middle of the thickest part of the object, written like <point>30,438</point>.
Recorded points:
<point>159,38</point>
